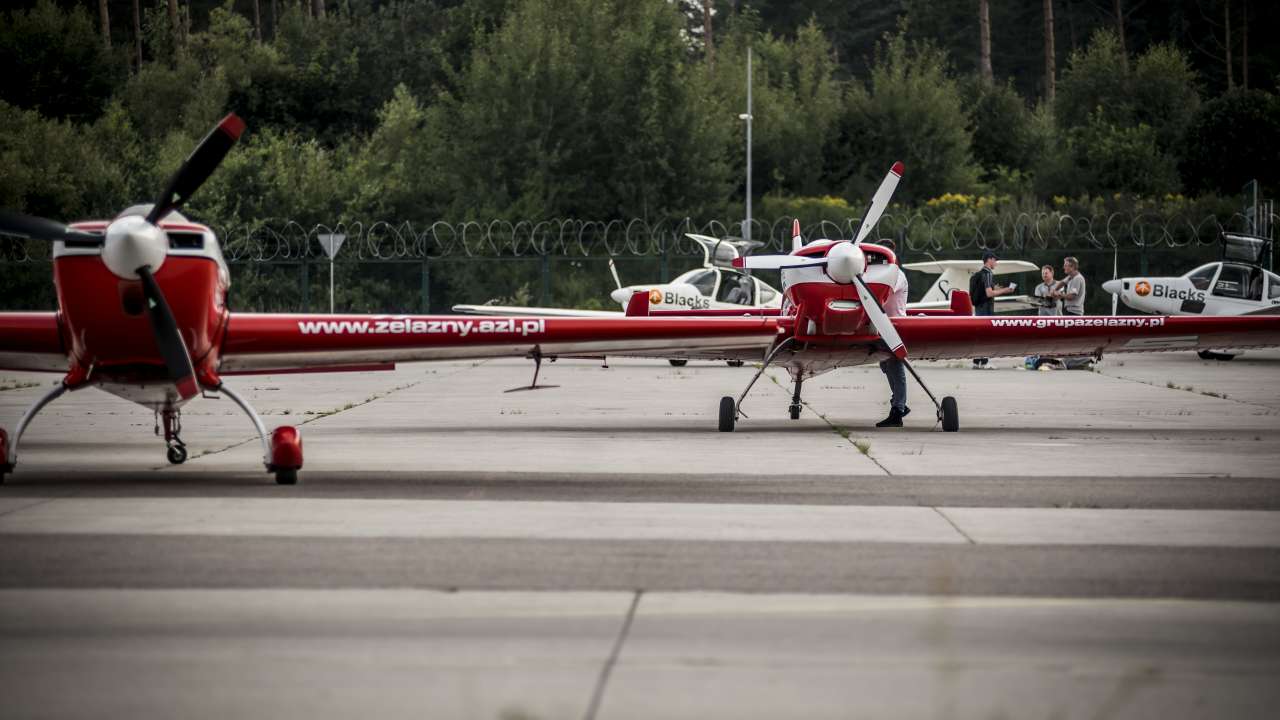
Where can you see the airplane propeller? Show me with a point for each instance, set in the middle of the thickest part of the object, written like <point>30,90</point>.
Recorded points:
<point>845,261</point>
<point>135,247</point>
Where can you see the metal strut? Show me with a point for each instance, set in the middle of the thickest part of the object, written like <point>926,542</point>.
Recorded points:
<point>537,367</point>
<point>737,407</point>
<point>924,387</point>
<point>253,415</point>
<point>30,415</point>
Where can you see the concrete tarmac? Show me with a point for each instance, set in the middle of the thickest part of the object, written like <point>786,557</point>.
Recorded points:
<point>1091,544</point>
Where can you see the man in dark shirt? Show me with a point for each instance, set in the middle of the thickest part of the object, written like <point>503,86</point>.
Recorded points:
<point>983,291</point>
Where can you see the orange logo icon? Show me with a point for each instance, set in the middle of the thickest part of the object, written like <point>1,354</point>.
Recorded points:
<point>1143,288</point>
<point>655,296</point>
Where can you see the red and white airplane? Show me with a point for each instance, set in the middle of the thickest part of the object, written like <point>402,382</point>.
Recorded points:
<point>142,313</point>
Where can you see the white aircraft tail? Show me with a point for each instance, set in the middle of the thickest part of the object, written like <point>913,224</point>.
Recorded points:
<point>955,274</point>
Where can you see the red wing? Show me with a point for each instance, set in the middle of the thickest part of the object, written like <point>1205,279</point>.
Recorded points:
<point>930,338</point>
<point>267,343</point>
<point>31,341</point>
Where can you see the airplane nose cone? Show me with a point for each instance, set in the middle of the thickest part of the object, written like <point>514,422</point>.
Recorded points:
<point>621,295</point>
<point>1113,286</point>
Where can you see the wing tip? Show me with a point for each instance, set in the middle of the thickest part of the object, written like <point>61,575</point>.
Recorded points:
<point>897,168</point>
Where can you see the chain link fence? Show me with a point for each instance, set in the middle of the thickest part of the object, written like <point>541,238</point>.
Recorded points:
<point>407,267</point>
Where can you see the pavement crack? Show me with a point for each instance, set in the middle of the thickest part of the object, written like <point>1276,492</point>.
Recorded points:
<point>312,418</point>
<point>597,694</point>
<point>36,503</point>
<point>953,525</point>
<point>1169,385</point>
<point>863,446</point>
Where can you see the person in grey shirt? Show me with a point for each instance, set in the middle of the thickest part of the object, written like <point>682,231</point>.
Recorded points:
<point>1049,305</point>
<point>1073,288</point>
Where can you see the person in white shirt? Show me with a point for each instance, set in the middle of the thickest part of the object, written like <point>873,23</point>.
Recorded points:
<point>894,370</point>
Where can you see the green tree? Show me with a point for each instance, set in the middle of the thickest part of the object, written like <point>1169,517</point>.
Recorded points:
<point>1232,140</point>
<point>909,109</point>
<point>577,109</point>
<point>55,62</point>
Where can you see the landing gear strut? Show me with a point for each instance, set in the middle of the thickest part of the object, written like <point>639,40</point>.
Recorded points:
<point>177,450</point>
<point>730,410</point>
<point>795,407</point>
<point>948,411</point>
<point>9,452</point>
<point>281,451</point>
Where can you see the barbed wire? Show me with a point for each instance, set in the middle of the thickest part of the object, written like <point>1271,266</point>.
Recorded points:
<point>916,231</point>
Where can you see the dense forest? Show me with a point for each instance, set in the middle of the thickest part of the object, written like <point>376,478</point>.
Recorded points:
<point>427,110</point>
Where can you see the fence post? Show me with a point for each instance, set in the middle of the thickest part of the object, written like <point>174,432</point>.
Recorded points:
<point>426,285</point>
<point>544,291</point>
<point>306,282</point>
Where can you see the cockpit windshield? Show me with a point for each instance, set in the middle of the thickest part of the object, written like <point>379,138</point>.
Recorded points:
<point>1202,276</point>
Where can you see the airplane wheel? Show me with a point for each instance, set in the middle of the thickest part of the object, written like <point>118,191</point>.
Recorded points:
<point>728,414</point>
<point>286,477</point>
<point>177,454</point>
<point>678,363</point>
<point>950,415</point>
<point>1211,355</point>
<point>795,412</point>
<point>734,363</point>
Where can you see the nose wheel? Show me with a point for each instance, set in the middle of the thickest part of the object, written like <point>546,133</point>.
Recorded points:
<point>177,452</point>
<point>176,449</point>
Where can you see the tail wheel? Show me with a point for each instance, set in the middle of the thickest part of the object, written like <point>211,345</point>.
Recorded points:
<point>728,414</point>
<point>950,415</point>
<point>795,412</point>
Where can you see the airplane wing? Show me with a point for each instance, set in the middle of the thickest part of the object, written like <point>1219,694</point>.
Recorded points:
<point>938,267</point>
<point>518,311</point>
<point>949,338</point>
<point>264,343</point>
<point>1004,303</point>
<point>31,341</point>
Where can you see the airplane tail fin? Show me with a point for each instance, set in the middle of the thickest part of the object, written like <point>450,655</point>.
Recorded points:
<point>961,303</point>
<point>638,305</point>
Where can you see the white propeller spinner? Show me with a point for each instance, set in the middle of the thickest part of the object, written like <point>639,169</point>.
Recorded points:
<point>131,243</point>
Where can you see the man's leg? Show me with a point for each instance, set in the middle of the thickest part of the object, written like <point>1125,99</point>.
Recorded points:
<point>896,373</point>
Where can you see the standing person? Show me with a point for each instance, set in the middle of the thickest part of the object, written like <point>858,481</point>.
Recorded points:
<point>983,292</point>
<point>1073,288</point>
<point>893,368</point>
<point>1049,305</point>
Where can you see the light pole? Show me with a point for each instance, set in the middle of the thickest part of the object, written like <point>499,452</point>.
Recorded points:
<point>331,242</point>
<point>746,223</point>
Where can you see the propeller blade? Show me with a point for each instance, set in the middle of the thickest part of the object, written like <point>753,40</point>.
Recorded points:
<point>169,339</point>
<point>796,241</point>
<point>198,166</point>
<point>613,269</point>
<point>880,201</point>
<point>879,320</point>
<point>12,223</point>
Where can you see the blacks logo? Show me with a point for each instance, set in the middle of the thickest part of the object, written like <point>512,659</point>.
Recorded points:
<point>1164,291</point>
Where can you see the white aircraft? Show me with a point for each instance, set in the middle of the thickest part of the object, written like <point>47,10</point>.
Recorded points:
<point>714,286</point>
<point>1235,285</point>
<point>718,286</point>
<point>955,274</point>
